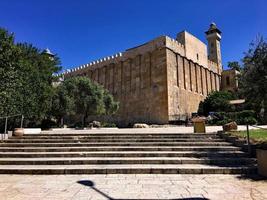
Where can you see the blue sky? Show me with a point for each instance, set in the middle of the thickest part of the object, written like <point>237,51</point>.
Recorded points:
<point>84,30</point>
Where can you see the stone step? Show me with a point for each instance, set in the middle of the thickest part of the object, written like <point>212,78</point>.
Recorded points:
<point>124,134</point>
<point>126,169</point>
<point>109,140</point>
<point>142,153</point>
<point>116,137</point>
<point>196,154</point>
<point>119,148</point>
<point>134,160</point>
<point>115,144</point>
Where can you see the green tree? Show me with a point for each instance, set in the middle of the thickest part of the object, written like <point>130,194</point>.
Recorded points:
<point>36,74</point>
<point>79,95</point>
<point>216,101</point>
<point>234,65</point>
<point>111,106</point>
<point>62,104</point>
<point>26,78</point>
<point>9,64</point>
<point>253,79</point>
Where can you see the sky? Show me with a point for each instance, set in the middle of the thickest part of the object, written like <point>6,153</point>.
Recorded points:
<point>82,31</point>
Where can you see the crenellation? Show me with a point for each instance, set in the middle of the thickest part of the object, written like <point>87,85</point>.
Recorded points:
<point>156,82</point>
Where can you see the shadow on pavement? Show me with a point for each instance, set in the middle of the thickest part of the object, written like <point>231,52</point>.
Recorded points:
<point>90,184</point>
<point>253,177</point>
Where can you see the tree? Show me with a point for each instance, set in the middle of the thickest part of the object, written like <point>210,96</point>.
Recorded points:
<point>9,63</point>
<point>111,106</point>
<point>62,104</point>
<point>26,78</point>
<point>36,74</point>
<point>79,95</point>
<point>216,101</point>
<point>234,65</point>
<point>253,79</point>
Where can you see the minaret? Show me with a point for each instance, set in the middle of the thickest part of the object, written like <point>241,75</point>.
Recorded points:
<point>214,46</point>
<point>49,54</point>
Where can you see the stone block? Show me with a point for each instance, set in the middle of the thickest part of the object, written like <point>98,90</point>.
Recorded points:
<point>232,126</point>
<point>139,125</point>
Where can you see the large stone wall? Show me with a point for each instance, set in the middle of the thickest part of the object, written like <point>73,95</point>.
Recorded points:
<point>188,83</point>
<point>137,79</point>
<point>155,82</point>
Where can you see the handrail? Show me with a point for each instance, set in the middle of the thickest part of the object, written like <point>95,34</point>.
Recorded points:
<point>9,116</point>
<point>3,136</point>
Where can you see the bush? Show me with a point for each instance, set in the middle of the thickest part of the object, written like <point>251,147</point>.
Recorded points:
<point>216,101</point>
<point>77,125</point>
<point>246,114</point>
<point>108,125</point>
<point>247,120</point>
<point>241,118</point>
<point>47,124</point>
<point>222,122</point>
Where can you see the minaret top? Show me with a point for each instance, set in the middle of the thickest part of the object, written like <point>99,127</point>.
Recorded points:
<point>48,52</point>
<point>213,29</point>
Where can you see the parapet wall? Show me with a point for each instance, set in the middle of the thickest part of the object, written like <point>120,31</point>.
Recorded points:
<point>160,42</point>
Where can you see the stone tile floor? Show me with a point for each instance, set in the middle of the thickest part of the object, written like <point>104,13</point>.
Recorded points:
<point>129,187</point>
<point>167,129</point>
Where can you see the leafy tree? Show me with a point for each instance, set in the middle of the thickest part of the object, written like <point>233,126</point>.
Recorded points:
<point>216,101</point>
<point>253,79</point>
<point>111,106</point>
<point>8,72</point>
<point>62,103</point>
<point>234,65</point>
<point>79,95</point>
<point>36,75</point>
<point>26,78</point>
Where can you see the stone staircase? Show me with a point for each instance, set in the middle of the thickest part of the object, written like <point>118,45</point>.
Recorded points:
<point>123,153</point>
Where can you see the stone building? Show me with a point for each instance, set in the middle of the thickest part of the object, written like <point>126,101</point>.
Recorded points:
<point>162,80</point>
<point>229,80</point>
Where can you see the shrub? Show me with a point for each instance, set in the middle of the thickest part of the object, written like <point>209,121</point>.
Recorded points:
<point>216,101</point>
<point>241,118</point>
<point>47,124</point>
<point>222,122</point>
<point>108,125</point>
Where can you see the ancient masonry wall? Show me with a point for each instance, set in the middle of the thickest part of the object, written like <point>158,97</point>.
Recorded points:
<point>154,82</point>
<point>188,82</point>
<point>137,79</point>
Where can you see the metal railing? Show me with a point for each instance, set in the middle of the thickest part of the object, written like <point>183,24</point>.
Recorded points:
<point>3,135</point>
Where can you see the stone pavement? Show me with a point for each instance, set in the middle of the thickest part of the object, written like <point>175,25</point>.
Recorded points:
<point>164,129</point>
<point>135,186</point>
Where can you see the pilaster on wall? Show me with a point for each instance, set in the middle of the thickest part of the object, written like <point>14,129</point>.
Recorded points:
<point>137,79</point>
<point>188,84</point>
<point>154,82</point>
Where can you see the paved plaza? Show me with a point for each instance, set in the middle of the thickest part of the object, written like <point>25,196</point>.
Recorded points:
<point>133,186</point>
<point>157,129</point>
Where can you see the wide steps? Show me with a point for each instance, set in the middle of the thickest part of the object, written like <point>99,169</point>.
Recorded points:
<point>117,137</point>
<point>110,140</point>
<point>123,154</point>
<point>83,152</point>
<point>114,134</point>
<point>91,144</point>
<point>67,148</point>
<point>128,160</point>
<point>125,169</point>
